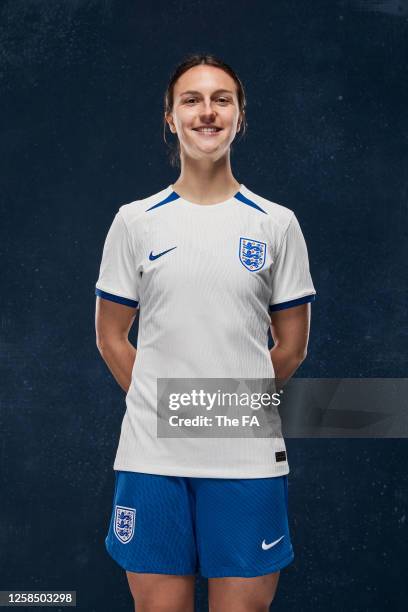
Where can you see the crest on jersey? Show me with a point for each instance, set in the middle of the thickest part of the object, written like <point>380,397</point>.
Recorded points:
<point>124,524</point>
<point>252,253</point>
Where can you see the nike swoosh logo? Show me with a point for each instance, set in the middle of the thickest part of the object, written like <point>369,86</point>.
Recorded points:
<point>266,546</point>
<point>153,257</point>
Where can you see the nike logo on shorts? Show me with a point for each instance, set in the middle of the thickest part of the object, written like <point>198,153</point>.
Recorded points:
<point>153,257</point>
<point>266,546</point>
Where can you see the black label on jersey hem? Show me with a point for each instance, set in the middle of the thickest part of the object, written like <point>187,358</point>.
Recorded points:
<point>280,456</point>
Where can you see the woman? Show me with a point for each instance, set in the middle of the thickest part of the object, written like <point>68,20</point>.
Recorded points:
<point>209,265</point>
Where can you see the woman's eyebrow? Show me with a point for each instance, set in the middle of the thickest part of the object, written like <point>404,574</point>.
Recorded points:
<point>199,93</point>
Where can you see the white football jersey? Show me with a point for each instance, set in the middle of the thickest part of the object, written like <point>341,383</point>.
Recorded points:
<point>205,278</point>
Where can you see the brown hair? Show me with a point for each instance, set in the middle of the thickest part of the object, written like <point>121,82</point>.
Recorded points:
<point>189,62</point>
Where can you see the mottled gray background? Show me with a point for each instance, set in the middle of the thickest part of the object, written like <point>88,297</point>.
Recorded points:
<point>81,86</point>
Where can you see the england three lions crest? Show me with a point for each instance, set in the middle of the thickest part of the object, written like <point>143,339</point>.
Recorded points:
<point>124,526</point>
<point>252,253</point>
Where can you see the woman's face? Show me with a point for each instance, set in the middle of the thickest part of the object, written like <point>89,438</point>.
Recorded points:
<point>205,96</point>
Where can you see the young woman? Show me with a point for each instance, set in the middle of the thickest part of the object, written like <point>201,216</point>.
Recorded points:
<point>208,265</point>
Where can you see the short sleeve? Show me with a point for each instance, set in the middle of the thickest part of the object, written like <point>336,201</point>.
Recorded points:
<point>118,276</point>
<point>291,281</point>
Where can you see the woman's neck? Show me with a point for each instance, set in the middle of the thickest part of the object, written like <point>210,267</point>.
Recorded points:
<point>206,185</point>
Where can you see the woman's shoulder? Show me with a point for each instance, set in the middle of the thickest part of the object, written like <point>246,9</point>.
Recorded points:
<point>278,214</point>
<point>132,211</point>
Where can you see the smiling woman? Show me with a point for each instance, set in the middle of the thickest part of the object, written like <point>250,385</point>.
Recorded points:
<point>208,266</point>
<point>224,91</point>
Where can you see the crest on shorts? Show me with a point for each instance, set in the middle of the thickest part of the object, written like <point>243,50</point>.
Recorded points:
<point>252,253</point>
<point>124,525</point>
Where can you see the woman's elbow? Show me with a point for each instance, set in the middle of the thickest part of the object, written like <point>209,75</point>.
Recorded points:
<point>301,354</point>
<point>103,341</point>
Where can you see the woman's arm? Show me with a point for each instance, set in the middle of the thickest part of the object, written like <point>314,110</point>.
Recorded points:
<point>112,325</point>
<point>290,332</point>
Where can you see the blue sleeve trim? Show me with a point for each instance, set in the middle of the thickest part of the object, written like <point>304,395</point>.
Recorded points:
<point>116,298</point>
<point>283,305</point>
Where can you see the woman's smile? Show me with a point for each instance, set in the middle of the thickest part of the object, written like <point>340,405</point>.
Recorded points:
<point>207,132</point>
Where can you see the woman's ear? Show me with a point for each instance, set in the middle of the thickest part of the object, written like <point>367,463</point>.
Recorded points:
<point>169,119</point>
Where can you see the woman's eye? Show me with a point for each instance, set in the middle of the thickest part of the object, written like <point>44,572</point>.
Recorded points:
<point>220,99</point>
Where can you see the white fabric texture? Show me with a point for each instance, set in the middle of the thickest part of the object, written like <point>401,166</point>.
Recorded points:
<point>204,313</point>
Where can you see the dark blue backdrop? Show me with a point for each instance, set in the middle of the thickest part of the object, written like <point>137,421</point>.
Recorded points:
<point>82,84</point>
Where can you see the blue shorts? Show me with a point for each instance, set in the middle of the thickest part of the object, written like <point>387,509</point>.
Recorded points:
<point>186,525</point>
